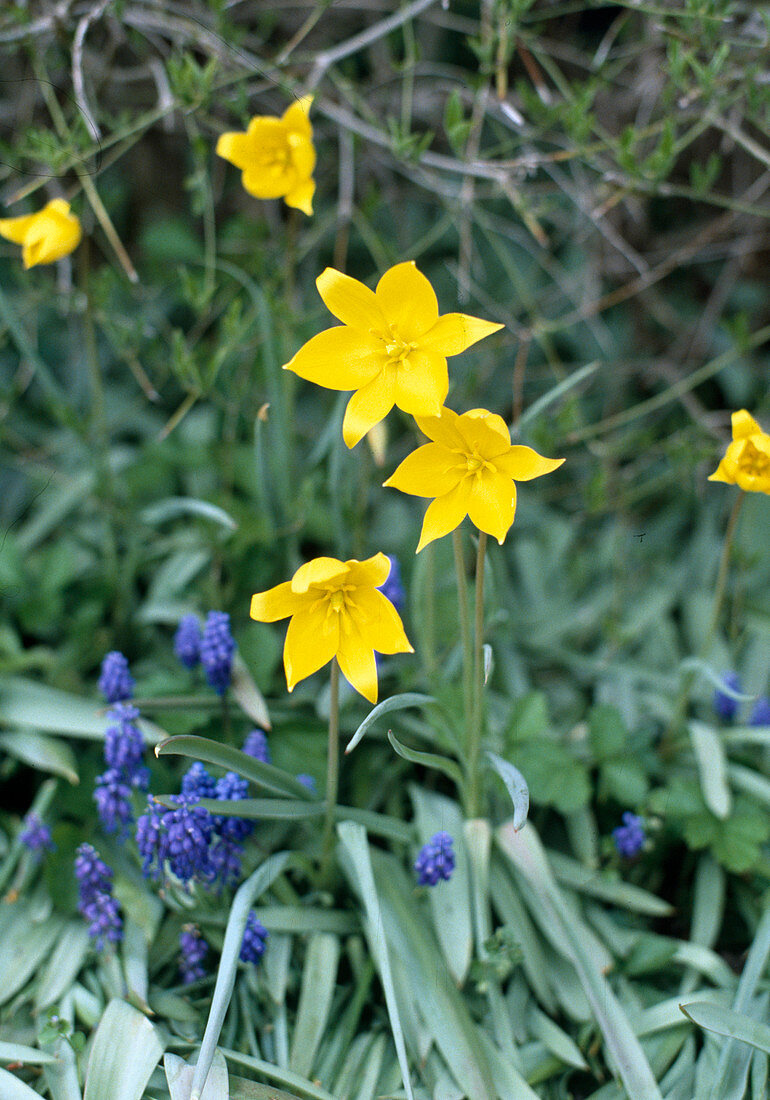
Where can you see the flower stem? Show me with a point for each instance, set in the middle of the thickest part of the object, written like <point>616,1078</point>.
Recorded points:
<point>467,640</point>
<point>332,767</point>
<point>477,724</point>
<point>683,699</point>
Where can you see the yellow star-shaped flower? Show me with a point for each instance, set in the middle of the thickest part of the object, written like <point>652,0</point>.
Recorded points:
<point>747,459</point>
<point>276,156</point>
<point>48,235</point>
<point>336,611</point>
<point>391,348</point>
<point>470,468</point>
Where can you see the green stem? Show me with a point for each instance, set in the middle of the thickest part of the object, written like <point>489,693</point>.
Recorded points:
<point>332,767</point>
<point>683,699</point>
<point>467,640</point>
<point>477,724</point>
<point>429,626</point>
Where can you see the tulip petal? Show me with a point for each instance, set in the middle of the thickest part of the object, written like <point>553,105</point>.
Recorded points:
<point>454,332</point>
<point>744,425</point>
<point>492,504</point>
<point>408,301</point>
<point>725,471</point>
<point>522,464</point>
<point>311,641</point>
<point>443,429</point>
<point>422,384</point>
<point>379,623</point>
<point>339,359</point>
<point>357,663</point>
<point>301,196</point>
<point>16,229</point>
<point>267,183</point>
<point>368,406</point>
<point>319,571</point>
<point>295,117</point>
<point>430,471</point>
<point>372,572</point>
<point>445,513</point>
<point>350,301</point>
<point>276,603</point>
<point>493,421</point>
<point>236,148</point>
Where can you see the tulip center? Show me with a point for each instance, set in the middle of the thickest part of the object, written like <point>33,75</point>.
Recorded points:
<point>476,465</point>
<point>397,349</point>
<point>754,462</point>
<point>276,158</point>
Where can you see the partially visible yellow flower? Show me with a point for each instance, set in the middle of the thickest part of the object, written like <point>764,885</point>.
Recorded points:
<point>48,235</point>
<point>470,468</point>
<point>276,156</point>
<point>747,459</point>
<point>391,348</point>
<point>336,611</point>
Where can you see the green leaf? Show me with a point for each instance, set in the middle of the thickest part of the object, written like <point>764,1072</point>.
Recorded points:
<point>247,694</point>
<point>47,754</point>
<point>529,718</point>
<point>428,760</point>
<point>11,1088</point>
<point>623,780</point>
<point>728,1022</point>
<point>516,785</point>
<point>174,507</point>
<point>318,982</point>
<point>711,762</point>
<point>396,702</point>
<point>125,1051</point>
<point>607,731</point>
<point>212,752</point>
<point>179,1078</point>
<point>29,703</point>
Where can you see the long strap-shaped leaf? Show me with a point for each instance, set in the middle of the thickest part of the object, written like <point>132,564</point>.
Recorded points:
<point>255,885</point>
<point>526,852</point>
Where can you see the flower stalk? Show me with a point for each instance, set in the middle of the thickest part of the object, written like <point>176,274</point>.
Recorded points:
<point>466,637</point>
<point>332,767</point>
<point>477,723</point>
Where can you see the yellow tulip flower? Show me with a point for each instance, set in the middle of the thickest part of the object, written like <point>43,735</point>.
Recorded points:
<point>747,459</point>
<point>48,235</point>
<point>336,611</point>
<point>470,468</point>
<point>276,156</point>
<point>391,348</point>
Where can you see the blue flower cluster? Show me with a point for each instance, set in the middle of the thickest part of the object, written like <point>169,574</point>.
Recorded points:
<point>435,860</point>
<point>393,589</point>
<point>95,901</point>
<point>123,754</point>
<point>36,835</point>
<point>254,939</point>
<point>115,682</point>
<point>630,836</point>
<point>726,708</point>
<point>192,951</point>
<point>216,651</point>
<point>308,781</point>
<point>187,641</point>
<point>256,745</point>
<point>195,844</point>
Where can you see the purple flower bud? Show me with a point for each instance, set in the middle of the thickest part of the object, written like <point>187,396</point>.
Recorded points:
<point>232,786</point>
<point>193,950</point>
<point>760,712</point>
<point>630,836</point>
<point>115,682</point>
<point>254,940</point>
<point>36,835</point>
<point>256,745</point>
<point>112,795</point>
<point>435,860</point>
<point>197,783</point>
<point>393,589</point>
<point>724,705</point>
<point>124,742</point>
<point>95,901</point>
<point>309,782</point>
<point>187,641</point>
<point>217,648</point>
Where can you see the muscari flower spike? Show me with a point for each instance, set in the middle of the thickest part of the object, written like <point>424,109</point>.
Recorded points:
<point>124,744</point>
<point>760,712</point>
<point>725,707</point>
<point>96,903</point>
<point>116,682</point>
<point>256,745</point>
<point>232,786</point>
<point>276,156</point>
<point>391,349</point>
<point>336,611</point>
<point>192,951</point>
<point>254,940</point>
<point>393,589</point>
<point>629,837</point>
<point>36,836</point>
<point>747,460</point>
<point>471,468</point>
<point>217,649</point>
<point>178,837</point>
<point>435,860</point>
<point>46,236</point>
<point>112,795</point>
<point>187,641</point>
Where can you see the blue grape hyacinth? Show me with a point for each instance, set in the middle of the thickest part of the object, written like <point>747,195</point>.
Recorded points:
<point>124,744</point>
<point>254,939</point>
<point>115,681</point>
<point>435,860</point>
<point>393,589</point>
<point>95,900</point>
<point>178,837</point>
<point>760,712</point>
<point>192,951</point>
<point>725,707</point>
<point>36,836</point>
<point>629,837</point>
<point>217,649</point>
<point>256,745</point>
<point>187,641</point>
